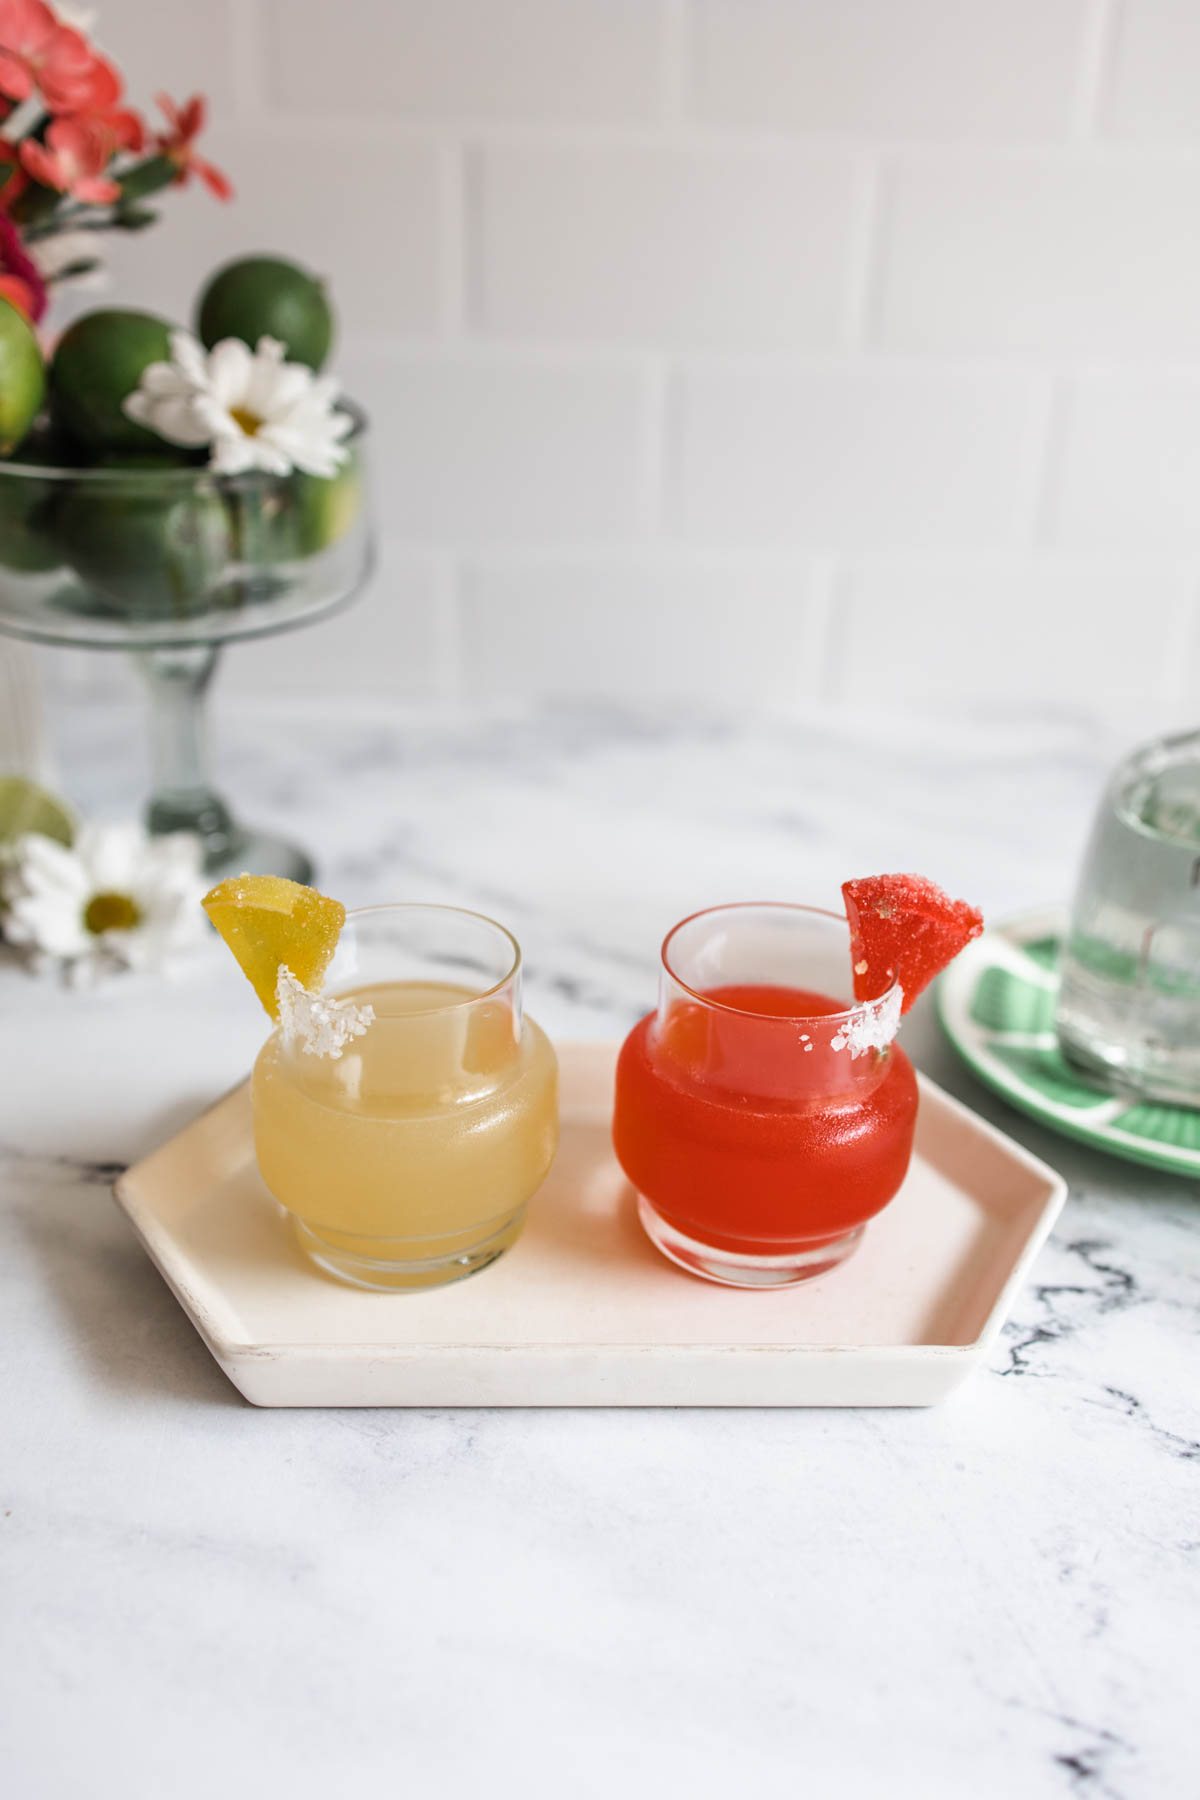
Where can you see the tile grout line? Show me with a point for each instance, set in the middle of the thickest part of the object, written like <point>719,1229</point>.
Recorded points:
<point>653,448</point>
<point>1181,647</point>
<point>1045,470</point>
<point>449,571</point>
<point>457,217</point>
<point>247,31</point>
<point>673,49</point>
<point>819,631</point>
<point>864,299</point>
<point>1095,72</point>
<point>837,605</point>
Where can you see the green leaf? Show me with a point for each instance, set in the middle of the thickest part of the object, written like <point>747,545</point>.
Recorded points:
<point>149,177</point>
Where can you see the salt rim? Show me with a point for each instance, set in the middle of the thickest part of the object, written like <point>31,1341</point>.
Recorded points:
<point>321,1027</point>
<point>873,1028</point>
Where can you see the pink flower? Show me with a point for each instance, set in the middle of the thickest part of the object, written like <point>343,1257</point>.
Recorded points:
<point>184,124</point>
<point>38,51</point>
<point>20,281</point>
<point>73,159</point>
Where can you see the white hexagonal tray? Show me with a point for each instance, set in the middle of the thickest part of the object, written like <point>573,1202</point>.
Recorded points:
<point>582,1311</point>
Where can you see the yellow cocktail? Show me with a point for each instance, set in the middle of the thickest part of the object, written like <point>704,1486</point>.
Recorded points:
<point>405,1111</point>
<point>410,1159</point>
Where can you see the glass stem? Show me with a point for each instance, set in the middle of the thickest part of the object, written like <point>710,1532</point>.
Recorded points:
<point>182,799</point>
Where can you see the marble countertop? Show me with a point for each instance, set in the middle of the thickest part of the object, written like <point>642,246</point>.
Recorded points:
<point>994,1597</point>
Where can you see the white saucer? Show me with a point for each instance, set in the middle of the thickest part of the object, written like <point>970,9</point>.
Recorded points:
<point>583,1311</point>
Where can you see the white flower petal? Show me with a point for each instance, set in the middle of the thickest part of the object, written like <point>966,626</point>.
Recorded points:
<point>110,855</point>
<point>188,354</point>
<point>275,390</point>
<point>232,453</point>
<point>230,366</point>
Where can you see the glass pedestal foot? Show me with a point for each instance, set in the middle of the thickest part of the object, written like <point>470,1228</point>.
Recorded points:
<point>247,852</point>
<point>731,1269</point>
<point>399,1273</point>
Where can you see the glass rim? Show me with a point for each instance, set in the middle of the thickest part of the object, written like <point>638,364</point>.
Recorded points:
<point>173,475</point>
<point>462,912</point>
<point>744,1012</point>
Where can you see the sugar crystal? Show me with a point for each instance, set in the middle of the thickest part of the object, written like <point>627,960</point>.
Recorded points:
<point>321,1026</point>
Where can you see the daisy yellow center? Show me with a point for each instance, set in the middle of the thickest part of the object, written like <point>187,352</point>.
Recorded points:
<point>245,420</point>
<point>111,912</point>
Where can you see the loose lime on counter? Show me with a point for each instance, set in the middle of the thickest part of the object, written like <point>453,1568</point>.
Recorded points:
<point>263,296</point>
<point>22,377</point>
<point>99,361</point>
<point>26,807</point>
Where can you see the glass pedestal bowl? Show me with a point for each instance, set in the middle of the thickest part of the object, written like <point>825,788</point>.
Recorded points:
<point>170,563</point>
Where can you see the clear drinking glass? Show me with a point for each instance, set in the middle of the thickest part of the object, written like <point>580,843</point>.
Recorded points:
<point>408,1161</point>
<point>758,1115</point>
<point>1129,995</point>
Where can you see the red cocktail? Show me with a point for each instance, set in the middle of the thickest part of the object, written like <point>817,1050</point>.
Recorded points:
<point>762,1120</point>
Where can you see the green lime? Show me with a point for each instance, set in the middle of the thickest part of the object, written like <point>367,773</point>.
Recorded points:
<point>26,807</point>
<point>27,505</point>
<point>263,296</point>
<point>147,546</point>
<point>22,377</point>
<point>326,508</point>
<point>99,361</point>
<point>297,516</point>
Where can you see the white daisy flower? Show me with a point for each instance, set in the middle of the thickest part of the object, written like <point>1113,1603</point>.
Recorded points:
<point>254,409</point>
<point>115,899</point>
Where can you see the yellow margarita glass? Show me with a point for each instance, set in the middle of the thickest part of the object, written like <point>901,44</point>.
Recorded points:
<point>405,1111</point>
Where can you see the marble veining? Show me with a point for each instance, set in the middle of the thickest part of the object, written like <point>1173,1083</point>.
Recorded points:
<point>995,1598</point>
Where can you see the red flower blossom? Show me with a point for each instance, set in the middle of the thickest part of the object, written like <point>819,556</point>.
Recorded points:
<point>20,281</point>
<point>184,124</point>
<point>38,51</point>
<point>73,160</point>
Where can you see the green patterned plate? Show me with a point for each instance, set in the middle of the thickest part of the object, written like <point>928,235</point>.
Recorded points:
<point>996,1005</point>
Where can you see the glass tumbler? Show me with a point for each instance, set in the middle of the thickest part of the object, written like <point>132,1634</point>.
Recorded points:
<point>409,1160</point>
<point>761,1119</point>
<point>1128,1010</point>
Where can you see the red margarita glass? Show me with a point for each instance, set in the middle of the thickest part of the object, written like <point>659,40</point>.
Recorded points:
<point>761,1120</point>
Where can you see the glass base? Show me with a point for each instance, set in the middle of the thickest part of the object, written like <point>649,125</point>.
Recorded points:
<point>734,1270</point>
<point>228,848</point>
<point>1111,1066</point>
<point>259,853</point>
<point>397,1275</point>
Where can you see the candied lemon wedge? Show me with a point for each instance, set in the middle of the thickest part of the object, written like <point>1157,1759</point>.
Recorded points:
<point>268,921</point>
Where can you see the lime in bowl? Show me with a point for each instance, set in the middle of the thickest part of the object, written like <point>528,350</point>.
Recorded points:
<point>170,562</point>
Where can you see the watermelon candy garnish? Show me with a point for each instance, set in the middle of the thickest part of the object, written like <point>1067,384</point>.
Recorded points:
<point>903,927</point>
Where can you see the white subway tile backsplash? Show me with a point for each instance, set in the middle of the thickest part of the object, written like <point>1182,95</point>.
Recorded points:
<point>968,632</point>
<point>386,642</point>
<point>364,213</point>
<point>1154,75</point>
<point>1057,256</point>
<point>656,629</point>
<point>1129,471</point>
<point>687,326</point>
<point>850,457</point>
<point>171,46</point>
<point>474,448</point>
<point>702,246</point>
<point>496,59</point>
<point>918,68</point>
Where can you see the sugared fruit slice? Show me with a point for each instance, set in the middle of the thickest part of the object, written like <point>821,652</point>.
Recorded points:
<point>268,921</point>
<point>903,927</point>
